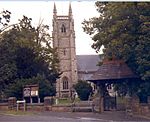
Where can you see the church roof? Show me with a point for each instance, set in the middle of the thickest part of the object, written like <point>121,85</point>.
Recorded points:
<point>87,63</point>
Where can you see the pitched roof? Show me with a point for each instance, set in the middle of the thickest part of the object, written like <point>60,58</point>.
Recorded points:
<point>113,70</point>
<point>87,62</point>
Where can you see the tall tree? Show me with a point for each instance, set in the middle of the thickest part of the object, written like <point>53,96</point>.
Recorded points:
<point>8,69</point>
<point>29,54</point>
<point>4,20</point>
<point>124,30</point>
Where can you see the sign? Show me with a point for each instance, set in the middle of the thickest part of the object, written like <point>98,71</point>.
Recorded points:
<point>31,90</point>
<point>34,91</point>
<point>26,92</point>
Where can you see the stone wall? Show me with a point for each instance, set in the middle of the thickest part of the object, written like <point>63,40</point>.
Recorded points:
<point>61,108</point>
<point>35,107</point>
<point>3,106</point>
<point>39,107</point>
<point>138,108</point>
<point>48,105</point>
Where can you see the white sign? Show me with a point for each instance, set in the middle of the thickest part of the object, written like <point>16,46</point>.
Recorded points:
<point>26,92</point>
<point>34,93</point>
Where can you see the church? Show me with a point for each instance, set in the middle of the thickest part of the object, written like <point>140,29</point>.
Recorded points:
<point>73,67</point>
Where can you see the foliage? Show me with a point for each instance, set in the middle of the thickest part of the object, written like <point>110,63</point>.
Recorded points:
<point>45,88</point>
<point>83,89</point>
<point>8,69</point>
<point>124,30</point>
<point>26,52</point>
<point>4,19</point>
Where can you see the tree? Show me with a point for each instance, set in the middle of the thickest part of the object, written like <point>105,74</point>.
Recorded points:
<point>29,50</point>
<point>4,20</point>
<point>45,87</point>
<point>124,30</point>
<point>83,90</point>
<point>8,69</point>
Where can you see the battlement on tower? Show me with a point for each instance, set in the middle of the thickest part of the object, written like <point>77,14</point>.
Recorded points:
<point>62,17</point>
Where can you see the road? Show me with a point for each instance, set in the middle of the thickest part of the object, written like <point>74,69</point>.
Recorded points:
<point>71,117</point>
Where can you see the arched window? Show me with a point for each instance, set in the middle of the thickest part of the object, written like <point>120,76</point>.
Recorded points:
<point>64,51</point>
<point>65,83</point>
<point>63,28</point>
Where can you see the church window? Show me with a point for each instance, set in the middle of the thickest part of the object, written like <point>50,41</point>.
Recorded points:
<point>63,28</point>
<point>65,83</point>
<point>64,51</point>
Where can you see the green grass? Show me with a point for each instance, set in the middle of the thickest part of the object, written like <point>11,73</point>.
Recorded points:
<point>14,112</point>
<point>66,101</point>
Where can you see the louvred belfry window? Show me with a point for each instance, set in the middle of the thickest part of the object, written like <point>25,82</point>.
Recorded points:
<point>63,28</point>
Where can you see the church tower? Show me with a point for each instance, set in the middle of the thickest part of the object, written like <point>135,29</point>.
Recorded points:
<point>64,41</point>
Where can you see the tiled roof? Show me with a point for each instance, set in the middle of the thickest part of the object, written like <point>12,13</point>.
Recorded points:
<point>113,70</point>
<point>87,62</point>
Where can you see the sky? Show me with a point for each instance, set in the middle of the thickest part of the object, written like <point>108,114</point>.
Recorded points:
<point>43,10</point>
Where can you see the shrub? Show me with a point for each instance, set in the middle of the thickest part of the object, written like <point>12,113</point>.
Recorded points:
<point>83,89</point>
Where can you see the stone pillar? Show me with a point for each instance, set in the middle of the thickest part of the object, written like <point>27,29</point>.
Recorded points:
<point>96,103</point>
<point>11,103</point>
<point>48,102</point>
<point>128,103</point>
<point>101,97</point>
<point>135,105</point>
<point>101,105</point>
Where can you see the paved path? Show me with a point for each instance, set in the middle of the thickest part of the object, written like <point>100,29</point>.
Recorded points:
<point>71,117</point>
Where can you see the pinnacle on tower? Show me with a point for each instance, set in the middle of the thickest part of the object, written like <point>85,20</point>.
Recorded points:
<point>70,10</point>
<point>54,10</point>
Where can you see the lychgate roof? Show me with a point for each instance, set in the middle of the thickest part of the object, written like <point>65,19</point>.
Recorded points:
<point>113,70</point>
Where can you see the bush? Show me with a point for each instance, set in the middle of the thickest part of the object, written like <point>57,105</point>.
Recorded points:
<point>83,90</point>
<point>45,87</point>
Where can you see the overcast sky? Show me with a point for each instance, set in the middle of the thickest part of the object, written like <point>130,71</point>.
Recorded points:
<point>44,10</point>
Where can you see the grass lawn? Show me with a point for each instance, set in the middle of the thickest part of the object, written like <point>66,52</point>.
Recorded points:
<point>67,101</point>
<point>64,101</point>
<point>13,112</point>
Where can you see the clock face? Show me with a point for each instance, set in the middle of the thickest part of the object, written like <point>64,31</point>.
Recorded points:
<point>26,92</point>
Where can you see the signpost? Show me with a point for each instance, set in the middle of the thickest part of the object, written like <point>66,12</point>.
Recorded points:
<point>31,91</point>
<point>21,102</point>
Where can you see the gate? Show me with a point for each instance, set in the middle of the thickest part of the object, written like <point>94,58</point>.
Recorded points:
<point>110,103</point>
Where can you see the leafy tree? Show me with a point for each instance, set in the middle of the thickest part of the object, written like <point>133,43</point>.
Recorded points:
<point>8,69</point>
<point>45,88</point>
<point>4,20</point>
<point>28,51</point>
<point>83,89</point>
<point>124,30</point>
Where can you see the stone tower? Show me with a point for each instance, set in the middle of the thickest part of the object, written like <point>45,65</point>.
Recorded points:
<point>64,41</point>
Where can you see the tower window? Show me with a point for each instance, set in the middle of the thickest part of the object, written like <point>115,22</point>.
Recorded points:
<point>64,51</point>
<point>65,83</point>
<point>63,28</point>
